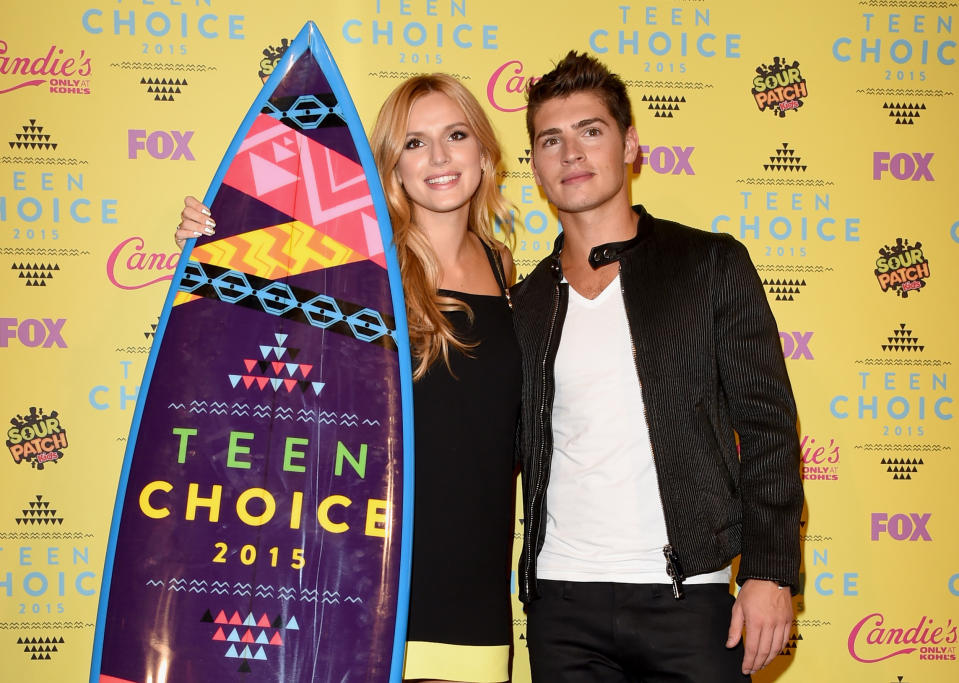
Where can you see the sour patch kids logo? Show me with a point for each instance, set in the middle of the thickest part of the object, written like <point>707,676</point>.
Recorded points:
<point>902,267</point>
<point>779,87</point>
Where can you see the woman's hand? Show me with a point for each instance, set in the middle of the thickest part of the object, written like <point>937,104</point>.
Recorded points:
<point>195,220</point>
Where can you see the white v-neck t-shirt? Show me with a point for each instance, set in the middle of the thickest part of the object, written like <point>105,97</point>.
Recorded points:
<point>604,517</point>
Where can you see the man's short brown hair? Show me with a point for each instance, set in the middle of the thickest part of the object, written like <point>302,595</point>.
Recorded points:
<point>581,73</point>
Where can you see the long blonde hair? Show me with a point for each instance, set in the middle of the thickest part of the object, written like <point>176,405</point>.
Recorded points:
<point>431,333</point>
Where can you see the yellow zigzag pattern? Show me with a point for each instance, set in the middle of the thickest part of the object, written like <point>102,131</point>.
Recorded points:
<point>277,251</point>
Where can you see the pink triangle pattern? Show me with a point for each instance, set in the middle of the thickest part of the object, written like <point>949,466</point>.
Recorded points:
<point>281,374</point>
<point>261,632</point>
<point>318,186</point>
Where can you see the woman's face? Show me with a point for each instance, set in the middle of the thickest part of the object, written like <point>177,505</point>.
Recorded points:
<point>439,166</point>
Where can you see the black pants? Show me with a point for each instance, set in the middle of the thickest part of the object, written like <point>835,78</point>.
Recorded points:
<point>580,632</point>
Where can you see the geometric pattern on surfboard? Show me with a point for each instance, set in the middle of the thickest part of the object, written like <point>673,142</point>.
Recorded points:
<point>277,251</point>
<point>309,181</point>
<point>263,411</point>
<point>288,302</point>
<point>285,374</point>
<point>287,593</point>
<point>249,638</point>
<point>306,112</point>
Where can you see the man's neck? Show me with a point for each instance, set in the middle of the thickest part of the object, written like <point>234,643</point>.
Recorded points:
<point>612,222</point>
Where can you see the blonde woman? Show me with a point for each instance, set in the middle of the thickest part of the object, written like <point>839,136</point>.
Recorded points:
<point>437,156</point>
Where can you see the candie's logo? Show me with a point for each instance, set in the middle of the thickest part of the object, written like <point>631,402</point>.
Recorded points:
<point>507,86</point>
<point>130,266</point>
<point>902,268</point>
<point>779,87</point>
<point>874,639</point>
<point>62,73</point>
<point>819,461</point>
<point>36,438</point>
<point>271,57</point>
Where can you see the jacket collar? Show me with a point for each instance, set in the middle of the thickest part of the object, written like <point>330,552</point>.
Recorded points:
<point>603,254</point>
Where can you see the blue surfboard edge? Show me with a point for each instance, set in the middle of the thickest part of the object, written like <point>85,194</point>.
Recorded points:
<point>308,38</point>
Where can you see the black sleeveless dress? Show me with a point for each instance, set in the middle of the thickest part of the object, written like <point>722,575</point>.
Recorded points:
<point>460,625</point>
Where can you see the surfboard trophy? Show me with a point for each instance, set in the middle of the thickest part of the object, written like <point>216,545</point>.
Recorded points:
<point>263,516</point>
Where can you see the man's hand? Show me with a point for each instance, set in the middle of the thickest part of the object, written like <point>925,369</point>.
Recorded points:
<point>766,610</point>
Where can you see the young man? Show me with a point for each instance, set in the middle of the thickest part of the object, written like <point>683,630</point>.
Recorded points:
<point>648,347</point>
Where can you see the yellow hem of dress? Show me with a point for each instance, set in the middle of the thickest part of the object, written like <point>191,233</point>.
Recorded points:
<point>446,662</point>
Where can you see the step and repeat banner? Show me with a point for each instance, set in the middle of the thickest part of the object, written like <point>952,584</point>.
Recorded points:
<point>821,135</point>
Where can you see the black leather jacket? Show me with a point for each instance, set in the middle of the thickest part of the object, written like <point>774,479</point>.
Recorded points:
<point>711,366</point>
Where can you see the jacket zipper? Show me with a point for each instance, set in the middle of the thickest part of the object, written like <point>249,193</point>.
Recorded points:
<point>673,567</point>
<point>541,471</point>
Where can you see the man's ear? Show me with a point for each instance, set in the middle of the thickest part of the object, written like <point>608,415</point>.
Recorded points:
<point>631,143</point>
<point>532,165</point>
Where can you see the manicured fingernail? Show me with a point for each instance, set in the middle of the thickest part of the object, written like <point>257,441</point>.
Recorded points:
<point>208,231</point>
<point>205,211</point>
<point>211,222</point>
<point>196,234</point>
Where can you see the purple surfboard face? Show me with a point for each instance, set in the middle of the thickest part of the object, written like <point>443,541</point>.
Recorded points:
<point>260,530</point>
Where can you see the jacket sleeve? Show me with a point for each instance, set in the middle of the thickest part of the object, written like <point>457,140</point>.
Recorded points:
<point>753,375</point>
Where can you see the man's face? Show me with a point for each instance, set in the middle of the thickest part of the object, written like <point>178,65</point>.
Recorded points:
<point>579,155</point>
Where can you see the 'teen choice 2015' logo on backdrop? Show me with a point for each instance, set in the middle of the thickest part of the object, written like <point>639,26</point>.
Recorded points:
<point>902,268</point>
<point>876,638</point>
<point>36,438</point>
<point>421,32</point>
<point>52,68</point>
<point>668,34</point>
<point>779,87</point>
<point>157,28</point>
<point>902,42</point>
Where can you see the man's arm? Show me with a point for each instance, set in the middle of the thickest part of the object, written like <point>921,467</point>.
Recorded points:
<point>765,609</point>
<point>753,374</point>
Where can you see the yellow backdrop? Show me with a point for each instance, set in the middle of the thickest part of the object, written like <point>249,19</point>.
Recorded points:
<point>818,133</point>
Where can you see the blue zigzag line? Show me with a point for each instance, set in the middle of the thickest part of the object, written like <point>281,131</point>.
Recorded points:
<point>262,590</point>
